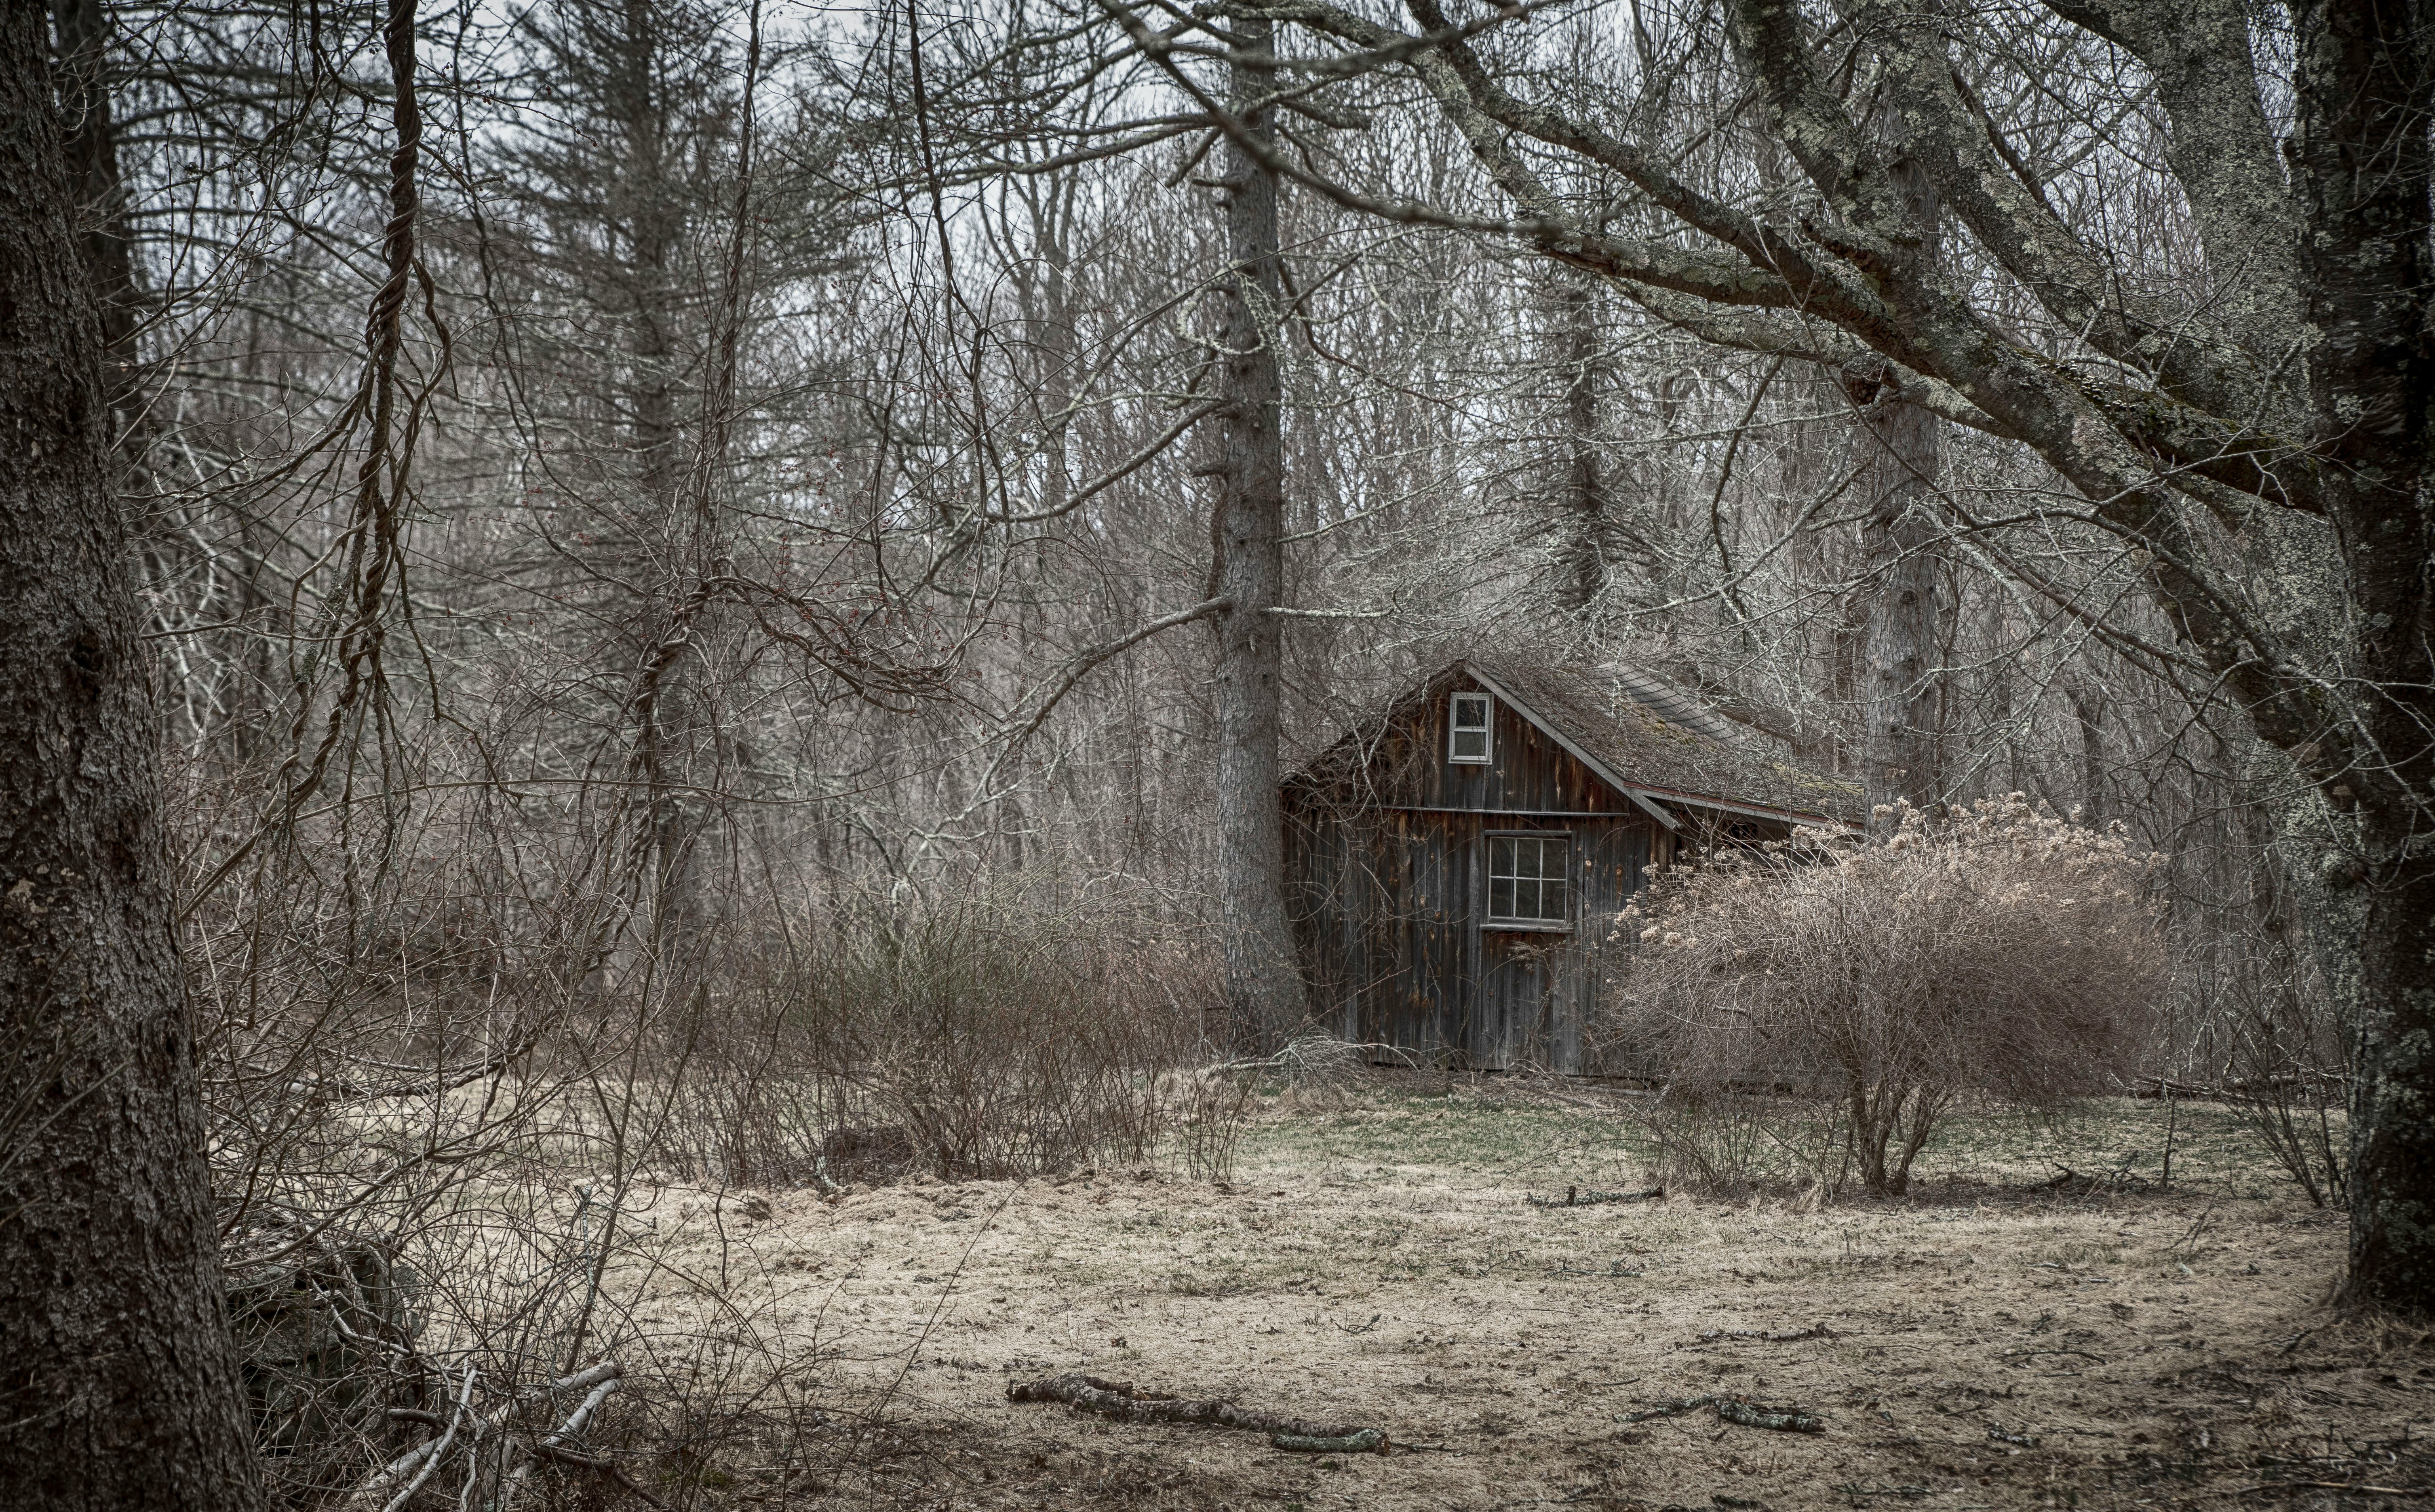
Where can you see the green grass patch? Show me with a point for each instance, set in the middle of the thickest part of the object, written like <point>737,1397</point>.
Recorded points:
<point>1467,1138</point>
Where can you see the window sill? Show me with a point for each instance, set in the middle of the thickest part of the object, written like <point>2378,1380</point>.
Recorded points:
<point>1523,927</point>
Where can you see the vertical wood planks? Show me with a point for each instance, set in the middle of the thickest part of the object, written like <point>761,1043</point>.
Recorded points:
<point>1386,881</point>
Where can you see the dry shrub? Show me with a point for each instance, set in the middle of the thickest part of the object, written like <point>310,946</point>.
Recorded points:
<point>448,1061</point>
<point>1738,1140</point>
<point>1209,1108</point>
<point>2286,1069</point>
<point>985,1033</point>
<point>1815,1008</point>
<point>1208,1111</point>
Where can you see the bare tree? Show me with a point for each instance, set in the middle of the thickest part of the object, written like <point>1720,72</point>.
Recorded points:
<point>1901,759</point>
<point>1263,988</point>
<point>2270,393</point>
<point>1588,493</point>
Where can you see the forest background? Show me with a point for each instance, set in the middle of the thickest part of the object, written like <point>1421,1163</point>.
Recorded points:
<point>633,500</point>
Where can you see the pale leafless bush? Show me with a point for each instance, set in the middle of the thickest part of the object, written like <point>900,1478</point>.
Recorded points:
<point>1816,1008</point>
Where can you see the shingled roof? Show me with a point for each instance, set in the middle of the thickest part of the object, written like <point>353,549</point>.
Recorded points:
<point>1641,733</point>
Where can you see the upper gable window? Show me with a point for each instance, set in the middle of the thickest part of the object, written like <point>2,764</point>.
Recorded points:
<point>1467,723</point>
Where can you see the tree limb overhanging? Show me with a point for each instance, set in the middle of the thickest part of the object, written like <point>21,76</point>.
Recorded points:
<point>2285,379</point>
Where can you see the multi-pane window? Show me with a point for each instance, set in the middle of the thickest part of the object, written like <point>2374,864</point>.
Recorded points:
<point>1527,878</point>
<point>1468,722</point>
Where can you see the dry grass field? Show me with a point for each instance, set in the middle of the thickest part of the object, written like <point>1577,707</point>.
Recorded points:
<point>1988,1342</point>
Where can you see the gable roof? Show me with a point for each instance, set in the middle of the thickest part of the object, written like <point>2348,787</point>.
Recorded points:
<point>1648,738</point>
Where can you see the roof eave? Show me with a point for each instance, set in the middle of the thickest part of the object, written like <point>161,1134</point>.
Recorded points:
<point>1756,811</point>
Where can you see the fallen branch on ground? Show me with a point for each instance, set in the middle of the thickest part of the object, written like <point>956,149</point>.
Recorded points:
<point>2331,1485</point>
<point>1782,1420</point>
<point>1123,1399</point>
<point>1736,1410</point>
<point>1368,1441</point>
<point>1816,1331</point>
<point>1319,1053</point>
<point>417,1463</point>
<point>597,1385</point>
<point>2118,1179</point>
<point>1578,1197</point>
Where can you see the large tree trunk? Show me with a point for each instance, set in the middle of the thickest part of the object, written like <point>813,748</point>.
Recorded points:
<point>1264,991</point>
<point>101,200</point>
<point>2088,711</point>
<point>119,1386</point>
<point>2393,1095</point>
<point>1905,698</point>
<point>2360,148</point>
<point>1901,758</point>
<point>1582,557</point>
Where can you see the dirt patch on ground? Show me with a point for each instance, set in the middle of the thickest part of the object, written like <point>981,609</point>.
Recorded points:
<point>1984,1344</point>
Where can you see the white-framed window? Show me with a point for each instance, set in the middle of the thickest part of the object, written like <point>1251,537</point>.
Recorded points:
<point>1530,879</point>
<point>1467,728</point>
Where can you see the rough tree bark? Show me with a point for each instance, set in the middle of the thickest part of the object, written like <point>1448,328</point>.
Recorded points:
<point>2364,80</point>
<point>1264,991</point>
<point>83,28</point>
<point>119,1387</point>
<point>2088,711</point>
<point>1581,561</point>
<point>1903,718</point>
<point>1905,698</point>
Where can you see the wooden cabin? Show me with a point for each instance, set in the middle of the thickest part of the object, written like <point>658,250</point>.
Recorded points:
<point>1455,862</point>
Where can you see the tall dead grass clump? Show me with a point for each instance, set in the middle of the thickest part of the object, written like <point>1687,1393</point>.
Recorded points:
<point>1813,1009</point>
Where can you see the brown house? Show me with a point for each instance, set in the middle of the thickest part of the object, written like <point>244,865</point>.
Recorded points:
<point>1454,864</point>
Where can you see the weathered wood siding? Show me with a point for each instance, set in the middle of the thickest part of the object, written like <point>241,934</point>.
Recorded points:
<point>1386,881</point>
<point>1528,773</point>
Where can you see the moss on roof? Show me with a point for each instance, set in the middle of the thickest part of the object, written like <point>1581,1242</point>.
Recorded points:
<point>1620,717</point>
